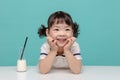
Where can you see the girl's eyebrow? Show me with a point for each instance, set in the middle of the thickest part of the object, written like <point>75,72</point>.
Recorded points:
<point>59,26</point>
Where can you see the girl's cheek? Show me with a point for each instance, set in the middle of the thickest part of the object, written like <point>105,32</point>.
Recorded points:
<point>53,36</point>
<point>70,35</point>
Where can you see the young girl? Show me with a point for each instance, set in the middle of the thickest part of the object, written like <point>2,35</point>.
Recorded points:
<point>60,50</point>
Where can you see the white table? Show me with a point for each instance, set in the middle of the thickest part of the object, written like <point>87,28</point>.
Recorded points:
<point>88,73</point>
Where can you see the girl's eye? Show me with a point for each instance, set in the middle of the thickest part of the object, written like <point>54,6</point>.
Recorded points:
<point>67,29</point>
<point>56,29</point>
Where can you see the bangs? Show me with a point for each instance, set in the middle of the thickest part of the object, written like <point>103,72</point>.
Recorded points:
<point>60,18</point>
<point>59,21</point>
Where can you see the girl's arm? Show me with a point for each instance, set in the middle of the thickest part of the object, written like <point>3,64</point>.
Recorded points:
<point>74,64</point>
<point>46,64</point>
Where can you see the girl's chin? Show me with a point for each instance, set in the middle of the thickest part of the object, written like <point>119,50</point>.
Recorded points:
<point>60,44</point>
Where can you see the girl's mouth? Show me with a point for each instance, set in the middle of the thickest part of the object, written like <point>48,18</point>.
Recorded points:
<point>61,40</point>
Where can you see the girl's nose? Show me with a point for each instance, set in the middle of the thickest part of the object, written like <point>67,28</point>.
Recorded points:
<point>62,33</point>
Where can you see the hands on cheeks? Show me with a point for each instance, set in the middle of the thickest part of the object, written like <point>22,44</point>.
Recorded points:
<point>52,43</point>
<point>69,43</point>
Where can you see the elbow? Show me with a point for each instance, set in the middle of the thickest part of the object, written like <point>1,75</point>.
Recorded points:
<point>77,71</point>
<point>43,70</point>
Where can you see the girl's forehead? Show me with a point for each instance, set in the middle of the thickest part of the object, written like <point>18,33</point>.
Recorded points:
<point>61,25</point>
<point>60,22</point>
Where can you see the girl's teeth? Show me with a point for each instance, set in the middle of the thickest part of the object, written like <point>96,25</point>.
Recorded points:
<point>62,40</point>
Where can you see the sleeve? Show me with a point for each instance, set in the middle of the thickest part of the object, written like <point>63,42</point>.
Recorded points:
<point>44,51</point>
<point>75,49</point>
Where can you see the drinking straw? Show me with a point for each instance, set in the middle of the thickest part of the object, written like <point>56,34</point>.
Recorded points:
<point>24,48</point>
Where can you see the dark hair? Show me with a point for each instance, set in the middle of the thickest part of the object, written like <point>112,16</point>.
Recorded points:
<point>59,17</point>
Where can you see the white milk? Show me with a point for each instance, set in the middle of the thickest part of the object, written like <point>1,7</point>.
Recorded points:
<point>21,65</point>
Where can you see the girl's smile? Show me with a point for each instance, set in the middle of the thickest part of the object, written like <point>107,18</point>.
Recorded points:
<point>60,32</point>
<point>61,41</point>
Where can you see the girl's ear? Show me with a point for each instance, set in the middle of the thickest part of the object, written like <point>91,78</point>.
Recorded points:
<point>47,33</point>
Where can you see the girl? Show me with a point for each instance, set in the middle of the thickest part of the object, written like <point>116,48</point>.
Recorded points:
<point>60,50</point>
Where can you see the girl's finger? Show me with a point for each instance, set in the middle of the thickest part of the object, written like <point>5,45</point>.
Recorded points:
<point>73,39</point>
<point>66,42</point>
<point>49,39</point>
<point>54,41</point>
<point>70,40</point>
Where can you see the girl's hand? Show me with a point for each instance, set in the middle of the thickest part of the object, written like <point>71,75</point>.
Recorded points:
<point>69,43</point>
<point>52,43</point>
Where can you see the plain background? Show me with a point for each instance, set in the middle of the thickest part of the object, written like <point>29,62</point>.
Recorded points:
<point>99,22</point>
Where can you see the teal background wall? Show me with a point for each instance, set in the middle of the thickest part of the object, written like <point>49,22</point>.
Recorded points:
<point>99,22</point>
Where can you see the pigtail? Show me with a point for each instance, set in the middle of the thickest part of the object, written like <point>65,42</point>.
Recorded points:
<point>42,31</point>
<point>76,30</point>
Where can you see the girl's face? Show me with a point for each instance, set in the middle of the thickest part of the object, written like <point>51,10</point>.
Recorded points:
<point>60,32</point>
